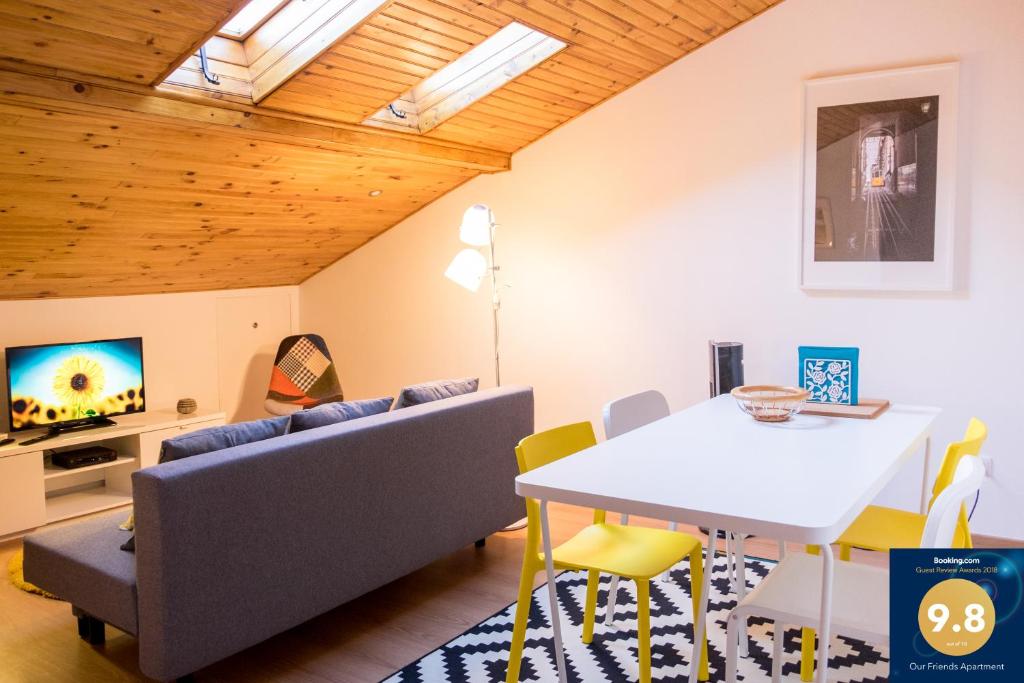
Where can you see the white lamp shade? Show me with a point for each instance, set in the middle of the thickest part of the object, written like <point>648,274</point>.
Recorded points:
<point>467,269</point>
<point>476,225</point>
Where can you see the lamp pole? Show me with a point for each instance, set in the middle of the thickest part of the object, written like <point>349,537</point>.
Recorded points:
<point>495,307</point>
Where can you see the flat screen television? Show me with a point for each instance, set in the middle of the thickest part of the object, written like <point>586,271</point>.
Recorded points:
<point>74,386</point>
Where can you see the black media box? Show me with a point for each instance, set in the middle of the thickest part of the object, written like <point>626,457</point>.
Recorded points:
<point>83,457</point>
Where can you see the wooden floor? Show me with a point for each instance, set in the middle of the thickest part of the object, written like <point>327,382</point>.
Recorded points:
<point>364,640</point>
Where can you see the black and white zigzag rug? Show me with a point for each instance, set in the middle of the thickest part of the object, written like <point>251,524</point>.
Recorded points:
<point>480,654</point>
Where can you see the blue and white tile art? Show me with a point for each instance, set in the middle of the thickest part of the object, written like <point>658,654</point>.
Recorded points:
<point>830,373</point>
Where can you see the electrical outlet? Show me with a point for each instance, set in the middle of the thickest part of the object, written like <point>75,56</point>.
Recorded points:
<point>989,464</point>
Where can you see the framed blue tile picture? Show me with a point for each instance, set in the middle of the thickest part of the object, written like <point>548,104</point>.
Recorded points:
<point>830,373</point>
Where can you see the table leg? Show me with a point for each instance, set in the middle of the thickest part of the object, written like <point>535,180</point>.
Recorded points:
<point>702,614</point>
<point>826,612</point>
<point>741,588</point>
<point>549,568</point>
<point>924,475</point>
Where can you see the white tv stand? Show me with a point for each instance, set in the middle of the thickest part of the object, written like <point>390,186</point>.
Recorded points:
<point>33,492</point>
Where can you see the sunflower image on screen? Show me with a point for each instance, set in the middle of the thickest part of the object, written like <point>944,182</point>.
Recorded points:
<point>68,382</point>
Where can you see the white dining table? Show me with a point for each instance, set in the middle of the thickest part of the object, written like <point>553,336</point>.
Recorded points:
<point>804,480</point>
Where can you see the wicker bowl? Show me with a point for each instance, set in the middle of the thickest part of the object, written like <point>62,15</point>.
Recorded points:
<point>187,406</point>
<point>769,402</point>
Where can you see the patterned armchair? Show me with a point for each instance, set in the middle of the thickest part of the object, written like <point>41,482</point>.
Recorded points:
<point>303,376</point>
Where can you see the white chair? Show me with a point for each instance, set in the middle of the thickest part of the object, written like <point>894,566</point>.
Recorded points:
<point>791,593</point>
<point>631,412</point>
<point>624,415</point>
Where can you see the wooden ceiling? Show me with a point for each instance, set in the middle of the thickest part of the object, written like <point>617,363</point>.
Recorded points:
<point>114,184</point>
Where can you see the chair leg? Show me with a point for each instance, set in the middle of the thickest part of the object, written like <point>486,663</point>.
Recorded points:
<point>731,641</point>
<point>590,607</point>
<point>777,640</point>
<point>666,576</point>
<point>844,552</point>
<point>515,653</point>
<point>643,628</point>
<point>696,581</point>
<point>807,637</point>
<point>728,562</point>
<point>741,587</point>
<point>613,593</point>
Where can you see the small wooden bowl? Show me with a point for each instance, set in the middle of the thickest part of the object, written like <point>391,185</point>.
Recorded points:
<point>770,402</point>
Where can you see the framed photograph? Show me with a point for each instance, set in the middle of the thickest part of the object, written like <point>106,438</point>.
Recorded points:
<point>879,180</point>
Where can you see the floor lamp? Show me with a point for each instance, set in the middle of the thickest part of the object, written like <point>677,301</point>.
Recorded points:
<point>469,268</point>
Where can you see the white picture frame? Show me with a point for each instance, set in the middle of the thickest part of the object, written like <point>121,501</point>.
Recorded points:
<point>883,239</point>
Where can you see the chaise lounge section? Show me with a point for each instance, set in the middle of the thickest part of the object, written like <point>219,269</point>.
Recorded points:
<point>235,546</point>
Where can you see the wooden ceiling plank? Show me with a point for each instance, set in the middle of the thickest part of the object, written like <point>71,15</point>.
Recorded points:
<point>568,63</point>
<point>565,88</point>
<point>469,36</point>
<point>620,24</point>
<point>356,93</point>
<point>724,13</point>
<point>343,63</point>
<point>541,100</point>
<point>573,28</point>
<point>287,101</point>
<point>383,35</point>
<point>486,25</point>
<point>687,14</point>
<point>366,75</point>
<point>366,54</point>
<point>422,34</point>
<point>526,90</point>
<point>44,18</point>
<point>656,19</point>
<point>553,79</point>
<point>426,63</point>
<point>134,104</point>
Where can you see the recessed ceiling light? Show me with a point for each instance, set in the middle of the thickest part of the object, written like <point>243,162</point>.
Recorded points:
<point>376,193</point>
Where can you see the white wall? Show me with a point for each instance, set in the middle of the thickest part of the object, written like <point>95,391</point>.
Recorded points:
<point>670,215</point>
<point>179,331</point>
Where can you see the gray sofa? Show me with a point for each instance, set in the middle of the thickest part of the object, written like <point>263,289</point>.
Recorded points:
<point>235,546</point>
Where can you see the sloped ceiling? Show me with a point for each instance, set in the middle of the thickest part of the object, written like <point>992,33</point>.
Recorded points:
<point>111,185</point>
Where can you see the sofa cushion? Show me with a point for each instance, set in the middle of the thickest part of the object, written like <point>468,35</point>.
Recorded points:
<point>82,563</point>
<point>332,413</point>
<point>432,391</point>
<point>218,438</point>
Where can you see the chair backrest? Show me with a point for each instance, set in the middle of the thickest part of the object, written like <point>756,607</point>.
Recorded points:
<point>546,447</point>
<point>630,412</point>
<point>303,376</point>
<point>943,517</point>
<point>975,436</point>
<point>970,445</point>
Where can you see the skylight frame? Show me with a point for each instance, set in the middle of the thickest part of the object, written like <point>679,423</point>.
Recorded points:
<point>274,6</point>
<point>504,56</point>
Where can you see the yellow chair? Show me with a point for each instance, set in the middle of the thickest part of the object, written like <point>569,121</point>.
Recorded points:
<point>636,553</point>
<point>882,529</point>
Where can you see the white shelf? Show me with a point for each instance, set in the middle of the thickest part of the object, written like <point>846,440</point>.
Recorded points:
<point>69,505</point>
<point>54,472</point>
<point>33,494</point>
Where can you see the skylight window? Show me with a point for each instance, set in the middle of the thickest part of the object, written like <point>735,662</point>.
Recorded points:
<point>507,54</point>
<point>250,18</point>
